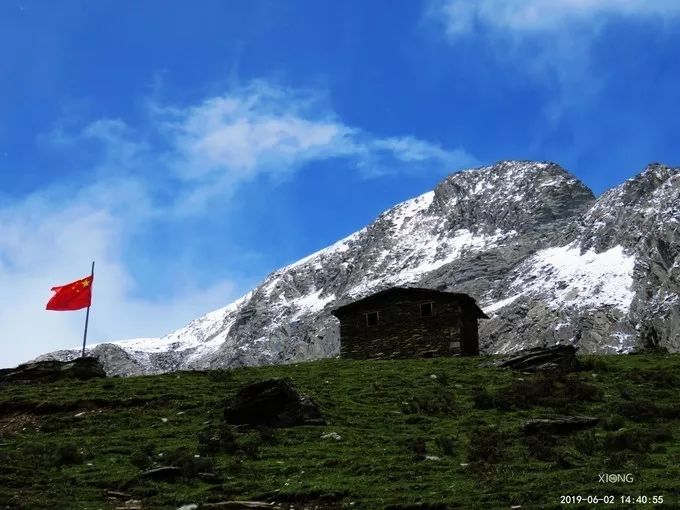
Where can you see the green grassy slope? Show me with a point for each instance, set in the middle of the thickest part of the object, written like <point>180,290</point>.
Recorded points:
<point>64,445</point>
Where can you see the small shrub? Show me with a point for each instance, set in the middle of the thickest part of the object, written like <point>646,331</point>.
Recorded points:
<point>486,444</point>
<point>565,457</point>
<point>439,401</point>
<point>661,379</point>
<point>625,393</point>
<point>220,375</point>
<point>482,398</point>
<point>190,465</point>
<point>443,378</point>
<point>140,460</point>
<point>445,444</point>
<point>67,454</point>
<point>376,388</point>
<point>250,445</point>
<point>221,439</point>
<point>581,391</point>
<point>638,410</point>
<point>540,446</point>
<point>613,422</point>
<point>141,457</point>
<point>51,424</point>
<point>267,435</point>
<point>592,365</point>
<point>417,446</point>
<point>587,443</point>
<point>617,460</point>
<point>633,440</point>
<point>660,433</point>
<point>524,394</point>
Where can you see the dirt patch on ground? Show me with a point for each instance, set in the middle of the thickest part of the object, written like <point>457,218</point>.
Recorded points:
<point>17,422</point>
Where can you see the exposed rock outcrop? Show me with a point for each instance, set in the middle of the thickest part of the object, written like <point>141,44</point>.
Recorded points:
<point>273,403</point>
<point>559,424</point>
<point>50,371</point>
<point>560,358</point>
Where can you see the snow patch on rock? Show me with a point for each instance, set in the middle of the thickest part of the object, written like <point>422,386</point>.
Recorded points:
<point>569,278</point>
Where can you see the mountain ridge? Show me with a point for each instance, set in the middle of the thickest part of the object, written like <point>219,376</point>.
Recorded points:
<point>531,242</point>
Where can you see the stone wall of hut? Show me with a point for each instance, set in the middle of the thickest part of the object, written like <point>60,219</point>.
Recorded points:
<point>402,332</point>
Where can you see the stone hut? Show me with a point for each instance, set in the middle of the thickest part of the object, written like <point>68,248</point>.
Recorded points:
<point>406,322</point>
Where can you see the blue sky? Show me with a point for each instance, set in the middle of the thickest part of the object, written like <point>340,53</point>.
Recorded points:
<point>191,148</point>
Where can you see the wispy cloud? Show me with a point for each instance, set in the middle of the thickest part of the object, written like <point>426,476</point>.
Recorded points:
<point>262,129</point>
<point>461,17</point>
<point>151,176</point>
<point>551,41</point>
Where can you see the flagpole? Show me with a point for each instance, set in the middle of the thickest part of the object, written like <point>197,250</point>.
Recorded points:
<point>87,315</point>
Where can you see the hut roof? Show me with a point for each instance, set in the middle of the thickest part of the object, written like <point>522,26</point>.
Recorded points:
<point>414,292</point>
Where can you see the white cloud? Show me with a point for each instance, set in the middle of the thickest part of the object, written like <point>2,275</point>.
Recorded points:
<point>154,175</point>
<point>261,129</point>
<point>549,41</point>
<point>463,17</point>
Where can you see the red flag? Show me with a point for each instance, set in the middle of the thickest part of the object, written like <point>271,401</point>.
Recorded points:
<point>72,296</point>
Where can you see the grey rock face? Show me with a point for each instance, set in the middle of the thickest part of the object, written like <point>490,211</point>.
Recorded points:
<point>53,370</point>
<point>541,359</point>
<point>558,424</point>
<point>546,260</point>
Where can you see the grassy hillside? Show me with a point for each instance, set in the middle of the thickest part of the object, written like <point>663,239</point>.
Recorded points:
<point>437,431</point>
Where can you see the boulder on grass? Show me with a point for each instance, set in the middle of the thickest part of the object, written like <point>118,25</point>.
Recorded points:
<point>273,403</point>
<point>558,357</point>
<point>49,371</point>
<point>558,424</point>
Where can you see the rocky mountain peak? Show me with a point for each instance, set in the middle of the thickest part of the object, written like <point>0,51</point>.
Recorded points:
<point>511,196</point>
<point>625,214</point>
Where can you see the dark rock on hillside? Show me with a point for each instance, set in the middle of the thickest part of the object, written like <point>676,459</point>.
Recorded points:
<point>559,424</point>
<point>49,371</point>
<point>164,473</point>
<point>557,357</point>
<point>274,403</point>
<point>240,505</point>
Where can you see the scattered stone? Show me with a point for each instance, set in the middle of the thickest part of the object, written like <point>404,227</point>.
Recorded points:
<point>209,477</point>
<point>464,464</point>
<point>559,424</point>
<point>332,435</point>
<point>188,507</point>
<point>537,359</point>
<point>432,457</point>
<point>433,376</point>
<point>50,371</point>
<point>164,420</point>
<point>274,403</point>
<point>131,504</point>
<point>117,494</point>
<point>162,473</point>
<point>240,505</point>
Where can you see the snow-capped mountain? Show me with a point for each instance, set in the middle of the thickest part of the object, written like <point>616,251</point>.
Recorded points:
<point>545,259</point>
